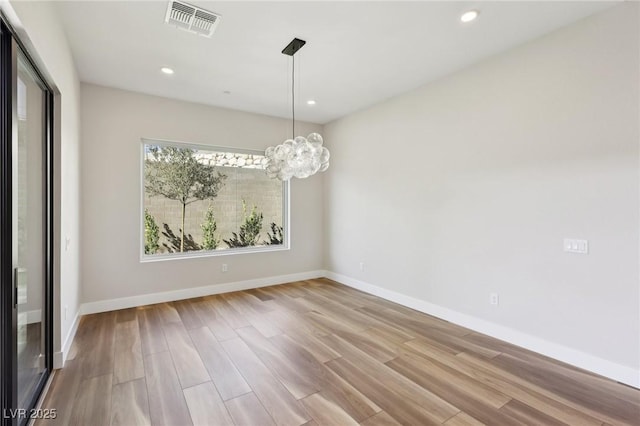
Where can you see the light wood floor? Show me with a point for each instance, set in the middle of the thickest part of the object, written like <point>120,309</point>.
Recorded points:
<point>315,353</point>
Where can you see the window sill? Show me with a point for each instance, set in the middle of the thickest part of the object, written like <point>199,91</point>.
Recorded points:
<point>199,254</point>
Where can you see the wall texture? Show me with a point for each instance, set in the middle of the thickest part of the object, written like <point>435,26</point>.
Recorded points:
<point>114,121</point>
<point>39,27</point>
<point>467,186</point>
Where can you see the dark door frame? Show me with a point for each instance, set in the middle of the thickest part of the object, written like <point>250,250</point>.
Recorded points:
<point>10,45</point>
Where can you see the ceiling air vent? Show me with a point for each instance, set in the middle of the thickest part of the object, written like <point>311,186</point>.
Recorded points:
<point>191,18</point>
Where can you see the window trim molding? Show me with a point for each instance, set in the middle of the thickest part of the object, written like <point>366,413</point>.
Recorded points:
<point>286,208</point>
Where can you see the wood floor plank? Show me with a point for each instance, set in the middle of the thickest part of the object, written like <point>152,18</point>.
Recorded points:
<point>130,404</point>
<point>587,414</point>
<point>244,358</point>
<point>228,312</point>
<point>324,293</point>
<point>167,405</point>
<point>505,347</point>
<point>246,410</point>
<point>419,324</point>
<point>294,321</point>
<point>151,334</point>
<point>358,299</point>
<point>587,379</point>
<point>372,346</point>
<point>467,401</point>
<point>125,315</point>
<point>288,369</point>
<point>256,303</point>
<point>188,364</point>
<point>454,381</point>
<point>306,303</point>
<point>277,401</point>
<point>128,364</point>
<point>509,385</point>
<point>380,419</point>
<point>212,319</point>
<point>330,324</point>
<point>295,289</point>
<point>463,419</point>
<point>188,313</point>
<point>313,345</point>
<point>97,345</point>
<point>326,412</point>
<point>93,403</point>
<point>439,409</point>
<point>461,344</point>
<point>73,350</point>
<point>260,294</point>
<point>62,394</point>
<point>428,342</point>
<point>168,313</point>
<point>402,409</point>
<point>223,372</point>
<point>350,399</point>
<point>284,302</point>
<point>206,406</point>
<point>390,338</point>
<point>578,392</point>
<point>252,310</point>
<point>406,314</point>
<point>528,415</point>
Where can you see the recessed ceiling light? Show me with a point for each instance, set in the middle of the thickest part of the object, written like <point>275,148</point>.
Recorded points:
<point>166,70</point>
<point>311,102</point>
<point>469,16</point>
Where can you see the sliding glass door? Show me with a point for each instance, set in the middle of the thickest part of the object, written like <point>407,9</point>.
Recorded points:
<point>25,246</point>
<point>29,233</point>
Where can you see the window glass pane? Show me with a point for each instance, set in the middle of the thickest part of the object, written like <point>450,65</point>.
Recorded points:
<point>30,237</point>
<point>222,199</point>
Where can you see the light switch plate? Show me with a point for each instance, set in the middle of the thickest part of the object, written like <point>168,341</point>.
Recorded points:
<point>576,246</point>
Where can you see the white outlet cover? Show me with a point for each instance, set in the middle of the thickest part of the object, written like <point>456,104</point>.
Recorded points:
<point>494,299</point>
<point>572,245</point>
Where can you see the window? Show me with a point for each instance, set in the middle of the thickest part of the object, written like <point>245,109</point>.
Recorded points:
<point>204,200</point>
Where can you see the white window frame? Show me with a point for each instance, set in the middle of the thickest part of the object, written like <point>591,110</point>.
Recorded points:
<point>286,204</point>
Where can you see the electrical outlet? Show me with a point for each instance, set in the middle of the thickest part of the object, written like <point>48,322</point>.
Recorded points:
<point>66,311</point>
<point>362,266</point>
<point>494,299</point>
<point>67,243</point>
<point>225,268</point>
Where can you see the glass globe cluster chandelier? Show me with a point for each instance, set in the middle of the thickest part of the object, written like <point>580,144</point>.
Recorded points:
<point>299,156</point>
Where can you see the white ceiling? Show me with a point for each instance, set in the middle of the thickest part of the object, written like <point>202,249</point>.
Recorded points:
<point>357,53</point>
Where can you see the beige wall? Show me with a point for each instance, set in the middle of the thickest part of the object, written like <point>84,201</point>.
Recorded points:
<point>40,29</point>
<point>114,121</point>
<point>467,186</point>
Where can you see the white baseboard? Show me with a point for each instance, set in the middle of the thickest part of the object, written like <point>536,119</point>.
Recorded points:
<point>188,293</point>
<point>59,358</point>
<point>603,367</point>
<point>34,316</point>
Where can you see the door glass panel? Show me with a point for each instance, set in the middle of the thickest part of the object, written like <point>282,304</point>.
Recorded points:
<point>30,232</point>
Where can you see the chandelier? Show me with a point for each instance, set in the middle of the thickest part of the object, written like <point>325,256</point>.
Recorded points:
<point>299,156</point>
